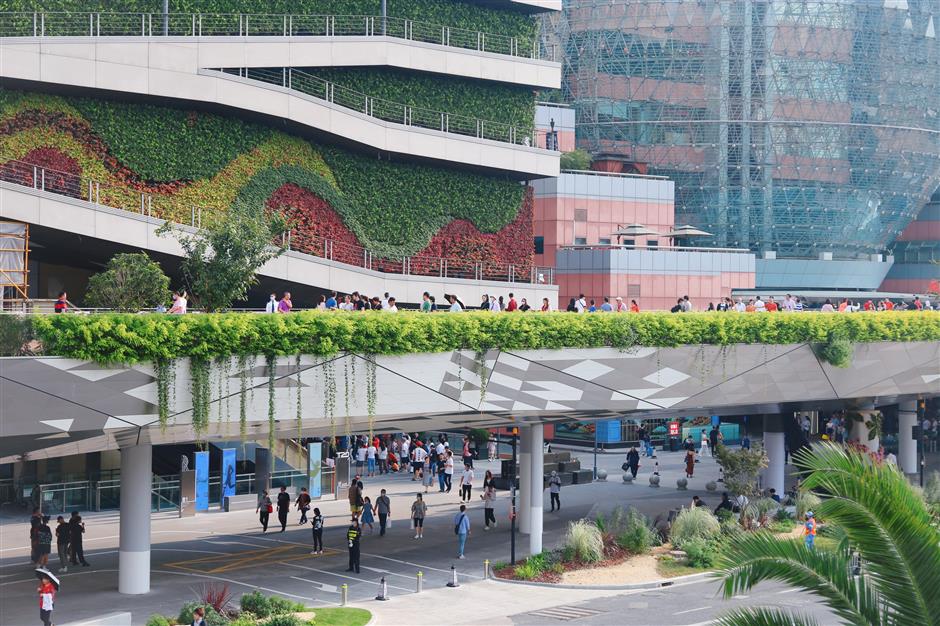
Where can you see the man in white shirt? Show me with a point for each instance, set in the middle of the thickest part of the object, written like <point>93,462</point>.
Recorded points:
<point>403,461</point>
<point>759,305</point>
<point>360,459</point>
<point>581,304</point>
<point>385,301</point>
<point>449,470</point>
<point>739,306</point>
<point>271,306</point>
<point>686,304</point>
<point>419,455</point>
<point>390,306</point>
<point>788,304</point>
<point>466,483</point>
<point>494,304</point>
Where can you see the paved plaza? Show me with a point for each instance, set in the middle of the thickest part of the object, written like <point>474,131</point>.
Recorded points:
<point>230,548</point>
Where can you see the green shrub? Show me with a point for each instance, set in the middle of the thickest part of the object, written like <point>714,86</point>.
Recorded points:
<point>158,620</point>
<point>576,160</point>
<point>836,350</point>
<point>636,536</point>
<point>806,501</point>
<point>283,619</point>
<point>557,568</point>
<point>783,515</point>
<point>255,603</point>
<point>731,529</point>
<point>760,511</point>
<point>244,619</point>
<point>115,338</point>
<point>782,526</point>
<point>701,552</point>
<point>585,541</point>
<point>694,523</point>
<point>131,282</point>
<point>15,332</point>
<point>527,571</point>
<point>212,617</point>
<point>724,515</point>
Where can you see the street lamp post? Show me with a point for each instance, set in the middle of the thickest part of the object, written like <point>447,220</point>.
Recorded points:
<point>512,506</point>
<point>595,450</point>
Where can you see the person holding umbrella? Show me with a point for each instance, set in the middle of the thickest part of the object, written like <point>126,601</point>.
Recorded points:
<point>48,585</point>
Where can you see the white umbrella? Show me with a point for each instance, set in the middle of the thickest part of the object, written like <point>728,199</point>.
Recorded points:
<point>635,230</point>
<point>687,231</point>
<point>43,572</point>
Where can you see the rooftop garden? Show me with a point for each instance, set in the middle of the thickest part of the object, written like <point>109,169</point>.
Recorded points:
<point>128,338</point>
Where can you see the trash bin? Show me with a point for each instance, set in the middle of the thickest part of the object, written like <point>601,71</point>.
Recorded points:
<point>673,444</point>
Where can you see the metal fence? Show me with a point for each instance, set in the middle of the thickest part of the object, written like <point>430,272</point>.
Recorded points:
<point>84,24</point>
<point>168,208</point>
<point>385,110</point>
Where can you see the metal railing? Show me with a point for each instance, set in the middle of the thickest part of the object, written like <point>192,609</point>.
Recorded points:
<point>94,24</point>
<point>170,209</point>
<point>379,108</point>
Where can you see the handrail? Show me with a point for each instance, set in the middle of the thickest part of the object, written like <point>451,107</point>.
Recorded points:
<point>44,24</point>
<point>656,248</point>
<point>379,108</point>
<point>150,206</point>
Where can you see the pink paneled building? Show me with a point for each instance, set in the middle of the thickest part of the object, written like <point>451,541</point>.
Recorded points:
<point>575,221</point>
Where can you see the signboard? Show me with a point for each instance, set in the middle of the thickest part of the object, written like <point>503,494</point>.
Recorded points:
<point>187,493</point>
<point>202,481</point>
<point>673,429</point>
<point>228,472</point>
<point>314,463</point>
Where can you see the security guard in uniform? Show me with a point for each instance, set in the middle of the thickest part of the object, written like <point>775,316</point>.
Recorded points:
<point>352,540</point>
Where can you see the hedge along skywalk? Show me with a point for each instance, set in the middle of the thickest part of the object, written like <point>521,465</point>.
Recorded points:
<point>129,338</point>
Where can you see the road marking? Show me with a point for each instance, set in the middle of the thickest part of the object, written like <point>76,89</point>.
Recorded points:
<point>701,608</point>
<point>566,613</point>
<point>359,580</point>
<point>420,567</point>
<point>386,572</point>
<point>243,584</point>
<point>740,597</point>
<point>322,586</point>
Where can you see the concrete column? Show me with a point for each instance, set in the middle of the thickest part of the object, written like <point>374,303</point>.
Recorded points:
<point>907,445</point>
<point>536,500</point>
<point>775,446</point>
<point>134,547</point>
<point>524,471</point>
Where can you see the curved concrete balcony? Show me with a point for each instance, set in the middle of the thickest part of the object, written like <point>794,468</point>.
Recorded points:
<point>243,40</point>
<point>174,70</point>
<point>55,201</point>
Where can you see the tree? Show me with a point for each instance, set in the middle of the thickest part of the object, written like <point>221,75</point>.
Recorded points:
<point>576,160</point>
<point>131,282</point>
<point>741,468</point>
<point>220,261</point>
<point>876,513</point>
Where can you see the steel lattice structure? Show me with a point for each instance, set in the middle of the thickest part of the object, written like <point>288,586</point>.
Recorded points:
<point>793,126</point>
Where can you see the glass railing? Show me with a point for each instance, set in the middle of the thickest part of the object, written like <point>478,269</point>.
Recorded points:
<point>85,24</point>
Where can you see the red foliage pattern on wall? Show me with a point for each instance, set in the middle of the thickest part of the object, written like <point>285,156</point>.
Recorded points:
<point>55,171</point>
<point>314,222</point>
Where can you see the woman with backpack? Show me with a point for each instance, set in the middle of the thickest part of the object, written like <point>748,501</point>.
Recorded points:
<point>265,508</point>
<point>317,523</point>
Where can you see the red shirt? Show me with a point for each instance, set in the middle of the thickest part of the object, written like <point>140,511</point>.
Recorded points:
<point>61,306</point>
<point>512,305</point>
<point>771,306</point>
<point>46,596</point>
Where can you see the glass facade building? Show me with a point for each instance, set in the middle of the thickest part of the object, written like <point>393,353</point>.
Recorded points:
<point>791,126</point>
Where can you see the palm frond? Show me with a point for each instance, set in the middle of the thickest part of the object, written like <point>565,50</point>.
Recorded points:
<point>887,523</point>
<point>760,557</point>
<point>763,617</point>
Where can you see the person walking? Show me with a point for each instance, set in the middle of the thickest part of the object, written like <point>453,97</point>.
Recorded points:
<point>449,470</point>
<point>462,529</point>
<point>689,463</point>
<point>62,543</point>
<point>368,515</point>
<point>43,542</point>
<point>809,530</point>
<point>383,506</point>
<point>353,535</point>
<point>467,455</point>
<point>418,510</point>
<point>633,461</point>
<point>703,446</point>
<point>317,523</point>
<point>489,505</point>
<point>355,498</point>
<point>76,530</point>
<point>466,483</point>
<point>35,521</point>
<point>491,449</point>
<point>554,490</point>
<point>418,455</point>
<point>283,507</point>
<point>271,306</point>
<point>264,509</point>
<point>303,504</point>
<point>46,591</point>
<point>371,453</point>
<point>487,479</point>
<point>383,458</point>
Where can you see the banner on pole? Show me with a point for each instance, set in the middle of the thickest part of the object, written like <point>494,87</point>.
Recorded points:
<point>202,481</point>
<point>228,472</point>
<point>314,463</point>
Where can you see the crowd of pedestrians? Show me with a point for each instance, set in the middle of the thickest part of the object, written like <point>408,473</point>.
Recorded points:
<point>68,535</point>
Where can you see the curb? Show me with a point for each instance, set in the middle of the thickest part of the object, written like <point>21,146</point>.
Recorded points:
<point>653,584</point>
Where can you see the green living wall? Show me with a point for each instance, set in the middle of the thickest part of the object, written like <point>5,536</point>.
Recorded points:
<point>453,13</point>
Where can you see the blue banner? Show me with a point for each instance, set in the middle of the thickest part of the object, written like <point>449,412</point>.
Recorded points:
<point>202,481</point>
<point>314,463</point>
<point>228,472</point>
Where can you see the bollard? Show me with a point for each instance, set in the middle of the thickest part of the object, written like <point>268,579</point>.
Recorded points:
<point>419,580</point>
<point>486,568</point>
<point>345,595</point>
<point>383,590</point>
<point>453,577</point>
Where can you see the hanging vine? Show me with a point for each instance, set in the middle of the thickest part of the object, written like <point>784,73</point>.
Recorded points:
<point>329,393</point>
<point>371,391</point>
<point>482,370</point>
<point>346,384</point>
<point>200,373</point>
<point>166,380</point>
<point>271,362</point>
<point>243,370</point>
<point>300,424</point>
<point>222,404</point>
